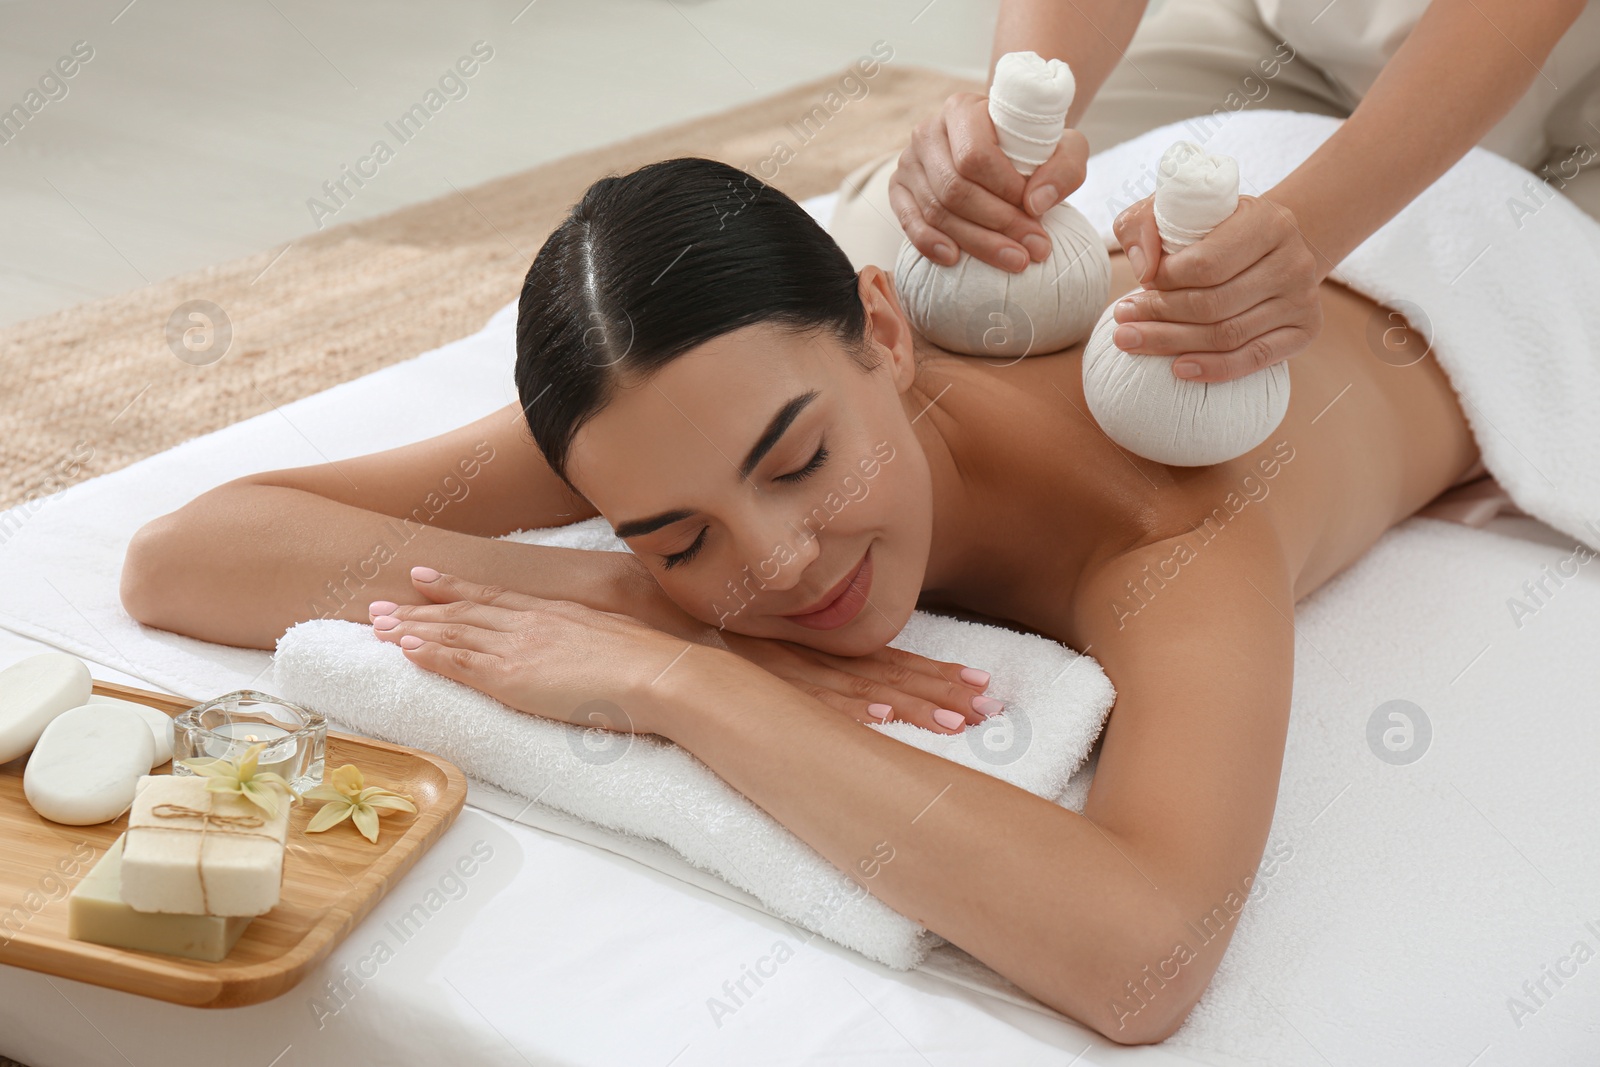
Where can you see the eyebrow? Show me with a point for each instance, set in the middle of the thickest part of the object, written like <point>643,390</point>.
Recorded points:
<point>775,430</point>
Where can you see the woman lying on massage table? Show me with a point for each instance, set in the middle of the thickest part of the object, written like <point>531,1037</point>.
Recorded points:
<point>699,363</point>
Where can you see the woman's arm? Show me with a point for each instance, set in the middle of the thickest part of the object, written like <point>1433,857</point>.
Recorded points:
<point>1094,914</point>
<point>243,562</point>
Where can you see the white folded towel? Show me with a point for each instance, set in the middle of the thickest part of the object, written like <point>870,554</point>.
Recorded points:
<point>1056,702</point>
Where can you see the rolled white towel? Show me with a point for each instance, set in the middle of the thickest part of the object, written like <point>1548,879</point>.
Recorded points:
<point>979,310</point>
<point>1136,399</point>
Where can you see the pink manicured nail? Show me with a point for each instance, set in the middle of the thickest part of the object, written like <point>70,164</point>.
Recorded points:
<point>987,706</point>
<point>1126,337</point>
<point>1186,369</point>
<point>879,711</point>
<point>410,641</point>
<point>385,622</point>
<point>381,607</point>
<point>1125,307</point>
<point>425,574</point>
<point>946,717</point>
<point>973,676</point>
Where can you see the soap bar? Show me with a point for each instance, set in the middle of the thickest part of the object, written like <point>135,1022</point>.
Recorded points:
<point>159,721</point>
<point>234,868</point>
<point>34,691</point>
<point>87,763</point>
<point>96,912</point>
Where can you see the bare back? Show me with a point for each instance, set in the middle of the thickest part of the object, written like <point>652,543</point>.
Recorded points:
<point>1372,434</point>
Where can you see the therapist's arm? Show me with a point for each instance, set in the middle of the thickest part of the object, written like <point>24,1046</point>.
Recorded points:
<point>1237,300</point>
<point>1460,71</point>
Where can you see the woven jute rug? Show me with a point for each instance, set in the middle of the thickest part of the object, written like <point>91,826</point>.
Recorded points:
<point>93,388</point>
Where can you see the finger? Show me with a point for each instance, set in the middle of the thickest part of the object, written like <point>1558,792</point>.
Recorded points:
<point>972,676</point>
<point>447,634</point>
<point>971,150</point>
<point>839,702</point>
<point>488,616</point>
<point>855,693</point>
<point>962,197</point>
<point>1059,175</point>
<point>1135,229</point>
<point>1238,241</point>
<point>1275,346</point>
<point>931,241</point>
<point>996,249</point>
<point>932,681</point>
<point>465,665</point>
<point>1183,338</point>
<point>916,698</point>
<point>441,586</point>
<point>976,155</point>
<point>1233,297</point>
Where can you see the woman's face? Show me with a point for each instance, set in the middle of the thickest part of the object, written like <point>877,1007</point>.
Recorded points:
<point>764,474</point>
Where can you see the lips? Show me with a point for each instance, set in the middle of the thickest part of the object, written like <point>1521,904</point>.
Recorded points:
<point>842,602</point>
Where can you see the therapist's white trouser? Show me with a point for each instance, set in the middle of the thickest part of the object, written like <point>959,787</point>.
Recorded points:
<point>1190,58</point>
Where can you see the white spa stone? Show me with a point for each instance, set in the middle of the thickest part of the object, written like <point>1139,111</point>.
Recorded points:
<point>1136,399</point>
<point>164,859</point>
<point>87,763</point>
<point>979,310</point>
<point>160,723</point>
<point>35,690</point>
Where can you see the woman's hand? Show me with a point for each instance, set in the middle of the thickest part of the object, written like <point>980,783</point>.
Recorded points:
<point>890,683</point>
<point>556,658</point>
<point>470,627</point>
<point>955,189</point>
<point>1243,297</point>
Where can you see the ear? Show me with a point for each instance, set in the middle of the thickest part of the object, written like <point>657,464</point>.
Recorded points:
<point>888,329</point>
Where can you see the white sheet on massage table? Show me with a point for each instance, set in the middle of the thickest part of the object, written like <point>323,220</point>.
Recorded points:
<point>557,952</point>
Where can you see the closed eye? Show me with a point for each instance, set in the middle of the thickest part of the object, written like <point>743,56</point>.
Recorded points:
<point>669,562</point>
<point>809,469</point>
<point>813,465</point>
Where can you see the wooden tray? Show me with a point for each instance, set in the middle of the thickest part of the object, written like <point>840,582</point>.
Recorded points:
<point>331,880</point>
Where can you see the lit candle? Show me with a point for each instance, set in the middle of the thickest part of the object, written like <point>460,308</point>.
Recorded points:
<point>226,727</point>
<point>231,740</point>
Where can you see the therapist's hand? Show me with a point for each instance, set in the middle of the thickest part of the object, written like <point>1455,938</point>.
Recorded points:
<point>1245,296</point>
<point>954,189</point>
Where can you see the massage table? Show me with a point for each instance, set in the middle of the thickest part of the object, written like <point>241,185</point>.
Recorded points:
<point>561,949</point>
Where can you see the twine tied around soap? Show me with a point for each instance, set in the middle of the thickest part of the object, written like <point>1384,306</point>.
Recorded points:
<point>230,825</point>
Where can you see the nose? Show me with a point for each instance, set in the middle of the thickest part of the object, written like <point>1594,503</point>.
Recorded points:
<point>780,555</point>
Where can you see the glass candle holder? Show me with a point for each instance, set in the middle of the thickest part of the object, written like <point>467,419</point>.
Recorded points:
<point>226,727</point>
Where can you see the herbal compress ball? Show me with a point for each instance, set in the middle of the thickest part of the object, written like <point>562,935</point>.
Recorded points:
<point>1136,399</point>
<point>979,310</point>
